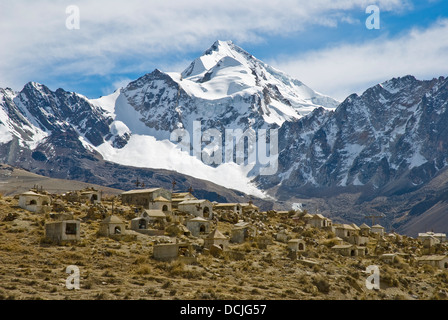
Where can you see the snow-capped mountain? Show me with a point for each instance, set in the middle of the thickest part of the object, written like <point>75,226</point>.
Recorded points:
<point>391,139</point>
<point>225,88</point>
<point>36,112</point>
<point>56,134</point>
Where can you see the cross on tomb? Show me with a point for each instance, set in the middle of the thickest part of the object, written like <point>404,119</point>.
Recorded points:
<point>374,217</point>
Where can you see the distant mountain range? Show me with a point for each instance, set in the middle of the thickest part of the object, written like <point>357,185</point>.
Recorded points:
<point>391,141</point>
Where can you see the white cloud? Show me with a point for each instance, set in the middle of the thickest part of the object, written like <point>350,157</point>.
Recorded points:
<point>351,68</point>
<point>116,84</point>
<point>35,39</point>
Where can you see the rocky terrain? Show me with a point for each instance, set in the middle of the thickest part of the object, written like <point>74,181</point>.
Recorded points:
<point>33,268</point>
<point>66,135</point>
<point>382,152</point>
<point>97,172</point>
<point>14,181</point>
<point>390,140</point>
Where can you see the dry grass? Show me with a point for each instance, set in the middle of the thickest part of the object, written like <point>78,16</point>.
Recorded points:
<point>31,268</point>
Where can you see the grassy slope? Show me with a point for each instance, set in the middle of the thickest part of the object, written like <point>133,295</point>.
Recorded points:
<point>31,269</point>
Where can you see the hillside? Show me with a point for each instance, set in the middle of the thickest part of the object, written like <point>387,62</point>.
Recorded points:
<point>378,152</point>
<point>410,213</point>
<point>15,181</point>
<point>123,269</point>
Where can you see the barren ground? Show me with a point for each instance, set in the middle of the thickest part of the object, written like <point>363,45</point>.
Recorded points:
<point>110,269</point>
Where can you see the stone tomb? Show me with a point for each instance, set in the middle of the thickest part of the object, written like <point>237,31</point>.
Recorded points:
<point>198,226</point>
<point>112,226</point>
<point>296,245</point>
<point>216,238</point>
<point>60,231</point>
<point>35,202</point>
<point>174,251</point>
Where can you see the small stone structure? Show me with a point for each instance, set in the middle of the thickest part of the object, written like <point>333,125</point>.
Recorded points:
<point>60,231</point>
<point>90,195</point>
<point>249,208</point>
<point>151,222</point>
<point>173,251</point>
<point>378,230</point>
<point>112,226</point>
<point>306,217</point>
<point>242,231</point>
<point>364,230</point>
<point>198,208</point>
<point>350,250</point>
<point>160,203</point>
<point>139,223</point>
<point>429,243</point>
<point>234,207</point>
<point>178,197</point>
<point>296,245</point>
<point>388,257</point>
<point>319,221</point>
<point>437,261</point>
<point>35,202</point>
<point>198,226</point>
<point>351,233</point>
<point>216,238</point>
<point>355,227</point>
<point>344,231</point>
<point>439,237</point>
<point>156,218</point>
<point>358,240</point>
<point>143,197</point>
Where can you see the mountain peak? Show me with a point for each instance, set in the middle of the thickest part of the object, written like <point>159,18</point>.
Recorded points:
<point>225,48</point>
<point>221,43</point>
<point>36,88</point>
<point>210,58</point>
<point>226,71</point>
<point>33,85</point>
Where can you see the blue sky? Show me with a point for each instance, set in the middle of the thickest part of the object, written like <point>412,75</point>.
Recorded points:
<point>323,43</point>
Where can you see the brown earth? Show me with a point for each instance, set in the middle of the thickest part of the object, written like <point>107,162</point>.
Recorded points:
<point>14,181</point>
<point>30,268</point>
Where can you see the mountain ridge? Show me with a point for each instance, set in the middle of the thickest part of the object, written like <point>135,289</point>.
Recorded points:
<point>388,141</point>
<point>374,129</point>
